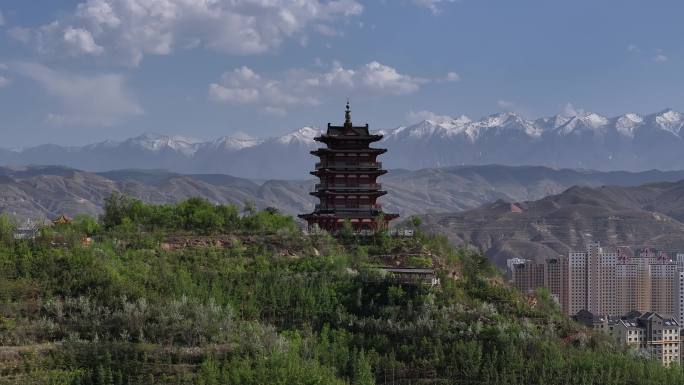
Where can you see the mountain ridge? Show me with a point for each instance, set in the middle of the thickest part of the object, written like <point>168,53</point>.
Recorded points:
<point>47,191</point>
<point>649,215</point>
<point>630,141</point>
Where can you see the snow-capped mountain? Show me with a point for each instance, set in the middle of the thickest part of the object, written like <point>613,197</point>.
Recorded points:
<point>157,143</point>
<point>229,143</point>
<point>589,140</point>
<point>627,142</point>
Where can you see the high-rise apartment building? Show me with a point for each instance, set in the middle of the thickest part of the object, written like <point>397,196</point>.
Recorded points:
<point>528,276</point>
<point>613,282</point>
<point>608,282</point>
<point>679,297</point>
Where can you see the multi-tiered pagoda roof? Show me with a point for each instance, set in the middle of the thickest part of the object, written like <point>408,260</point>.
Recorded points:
<point>348,170</point>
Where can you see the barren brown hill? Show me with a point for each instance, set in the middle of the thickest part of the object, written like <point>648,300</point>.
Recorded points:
<point>46,191</point>
<point>647,215</point>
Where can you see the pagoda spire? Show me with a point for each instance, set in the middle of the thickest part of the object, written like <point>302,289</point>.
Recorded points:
<point>347,115</point>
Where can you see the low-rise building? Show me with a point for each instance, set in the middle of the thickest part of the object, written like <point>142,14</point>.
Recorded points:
<point>412,275</point>
<point>649,332</point>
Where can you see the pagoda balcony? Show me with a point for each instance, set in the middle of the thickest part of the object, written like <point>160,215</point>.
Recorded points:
<point>361,208</point>
<point>349,166</point>
<point>368,186</point>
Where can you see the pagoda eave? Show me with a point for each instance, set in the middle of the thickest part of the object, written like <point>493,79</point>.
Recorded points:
<point>323,193</point>
<point>324,171</point>
<point>324,151</point>
<point>327,138</point>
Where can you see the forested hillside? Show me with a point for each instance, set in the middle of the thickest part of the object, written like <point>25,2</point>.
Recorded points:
<point>193,293</point>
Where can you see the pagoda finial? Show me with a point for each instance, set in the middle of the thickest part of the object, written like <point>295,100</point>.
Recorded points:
<point>347,115</point>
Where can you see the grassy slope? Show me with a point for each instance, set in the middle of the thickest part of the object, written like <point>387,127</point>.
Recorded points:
<point>282,308</point>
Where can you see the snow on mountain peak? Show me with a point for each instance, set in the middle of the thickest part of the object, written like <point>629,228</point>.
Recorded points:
<point>496,119</point>
<point>442,127</point>
<point>156,142</point>
<point>595,120</point>
<point>670,120</point>
<point>235,143</point>
<point>627,124</point>
<point>303,135</point>
<point>510,120</point>
<point>428,128</point>
<point>588,122</point>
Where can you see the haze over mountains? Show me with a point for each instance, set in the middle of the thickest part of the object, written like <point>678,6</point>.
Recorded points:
<point>588,140</point>
<point>44,192</point>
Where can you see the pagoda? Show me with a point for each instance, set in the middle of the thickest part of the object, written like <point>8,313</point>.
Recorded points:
<point>348,170</point>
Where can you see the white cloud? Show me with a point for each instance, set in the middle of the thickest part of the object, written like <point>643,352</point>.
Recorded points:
<point>453,77</point>
<point>506,105</point>
<point>383,78</point>
<point>660,58</point>
<point>98,100</point>
<point>4,81</point>
<point>432,5</point>
<point>417,116</point>
<point>81,41</point>
<point>131,29</point>
<point>20,34</point>
<point>297,87</point>
<point>633,48</point>
<point>327,30</point>
<point>233,95</point>
<point>275,111</point>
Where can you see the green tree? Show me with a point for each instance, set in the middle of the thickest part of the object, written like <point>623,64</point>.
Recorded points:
<point>85,224</point>
<point>7,228</point>
<point>363,371</point>
<point>116,207</point>
<point>415,221</point>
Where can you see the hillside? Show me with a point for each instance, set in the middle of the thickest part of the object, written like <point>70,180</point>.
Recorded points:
<point>649,215</point>
<point>46,191</point>
<point>194,293</point>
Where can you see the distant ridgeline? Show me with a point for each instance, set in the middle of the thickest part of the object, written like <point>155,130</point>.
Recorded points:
<point>194,293</point>
<point>583,141</point>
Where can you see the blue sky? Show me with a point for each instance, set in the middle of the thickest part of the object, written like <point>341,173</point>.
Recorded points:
<point>79,71</point>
